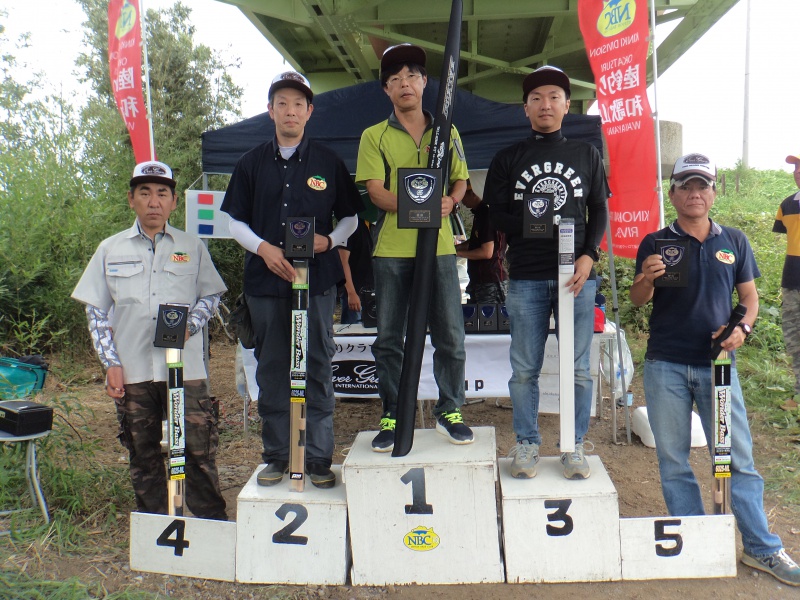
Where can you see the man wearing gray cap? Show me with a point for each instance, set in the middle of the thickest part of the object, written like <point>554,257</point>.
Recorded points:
<point>292,176</point>
<point>130,274</point>
<point>572,173</point>
<point>678,372</point>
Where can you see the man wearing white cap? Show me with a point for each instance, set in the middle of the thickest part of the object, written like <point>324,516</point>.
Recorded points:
<point>788,221</point>
<point>678,372</point>
<point>403,140</point>
<point>572,171</point>
<point>130,274</point>
<point>292,176</point>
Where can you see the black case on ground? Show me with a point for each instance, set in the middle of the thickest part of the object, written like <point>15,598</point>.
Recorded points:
<point>23,417</point>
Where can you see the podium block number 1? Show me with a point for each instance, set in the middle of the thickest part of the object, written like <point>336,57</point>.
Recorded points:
<point>418,506</point>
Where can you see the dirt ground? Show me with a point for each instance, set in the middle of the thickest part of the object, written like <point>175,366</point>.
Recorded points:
<point>632,468</point>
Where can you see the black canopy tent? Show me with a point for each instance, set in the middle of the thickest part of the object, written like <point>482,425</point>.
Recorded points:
<point>341,115</point>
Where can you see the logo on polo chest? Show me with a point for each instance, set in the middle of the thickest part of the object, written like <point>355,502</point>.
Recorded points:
<point>317,182</point>
<point>180,257</point>
<point>725,256</point>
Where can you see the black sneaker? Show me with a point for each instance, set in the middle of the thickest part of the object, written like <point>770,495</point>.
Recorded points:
<point>320,475</point>
<point>384,441</point>
<point>451,425</point>
<point>273,472</point>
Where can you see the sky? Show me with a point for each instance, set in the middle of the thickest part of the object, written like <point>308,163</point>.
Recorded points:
<point>703,90</point>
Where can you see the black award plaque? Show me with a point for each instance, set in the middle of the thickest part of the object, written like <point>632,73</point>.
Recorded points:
<point>675,254</point>
<point>419,198</point>
<point>171,326</point>
<point>537,215</point>
<point>299,237</point>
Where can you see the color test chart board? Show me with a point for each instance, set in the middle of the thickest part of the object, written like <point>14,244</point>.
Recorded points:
<point>203,216</point>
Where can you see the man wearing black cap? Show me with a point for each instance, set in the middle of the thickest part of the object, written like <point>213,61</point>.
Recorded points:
<point>403,141</point>
<point>572,172</point>
<point>130,274</point>
<point>677,370</point>
<point>292,176</point>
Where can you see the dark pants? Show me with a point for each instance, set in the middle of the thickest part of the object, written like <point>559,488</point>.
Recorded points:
<point>140,413</point>
<point>271,319</point>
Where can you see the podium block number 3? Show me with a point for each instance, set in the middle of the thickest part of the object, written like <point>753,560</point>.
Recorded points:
<point>418,506</point>
<point>675,539</point>
<point>560,515</point>
<point>285,534</point>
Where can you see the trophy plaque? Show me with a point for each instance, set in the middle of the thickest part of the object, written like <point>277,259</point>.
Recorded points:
<point>675,254</point>
<point>419,198</point>
<point>171,325</point>
<point>537,215</point>
<point>299,237</point>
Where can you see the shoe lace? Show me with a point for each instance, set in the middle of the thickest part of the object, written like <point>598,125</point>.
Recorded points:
<point>522,451</point>
<point>454,417</point>
<point>388,424</point>
<point>786,559</point>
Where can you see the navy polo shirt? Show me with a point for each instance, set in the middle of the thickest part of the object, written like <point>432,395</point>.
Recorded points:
<point>265,189</point>
<point>683,319</point>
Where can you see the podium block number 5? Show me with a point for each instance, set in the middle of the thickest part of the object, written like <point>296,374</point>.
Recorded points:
<point>418,506</point>
<point>676,545</point>
<point>178,527</point>
<point>561,515</point>
<point>284,535</point>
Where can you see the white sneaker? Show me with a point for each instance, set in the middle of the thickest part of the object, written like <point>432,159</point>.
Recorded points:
<point>575,464</point>
<point>525,455</point>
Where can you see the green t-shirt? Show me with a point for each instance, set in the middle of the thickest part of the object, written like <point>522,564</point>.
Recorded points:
<point>390,141</point>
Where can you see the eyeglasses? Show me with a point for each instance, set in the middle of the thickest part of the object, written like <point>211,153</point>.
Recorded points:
<point>409,78</point>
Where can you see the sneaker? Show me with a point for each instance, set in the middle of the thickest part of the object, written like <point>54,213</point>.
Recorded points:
<point>575,464</point>
<point>384,441</point>
<point>779,565</point>
<point>273,472</point>
<point>451,425</point>
<point>320,475</point>
<point>525,455</point>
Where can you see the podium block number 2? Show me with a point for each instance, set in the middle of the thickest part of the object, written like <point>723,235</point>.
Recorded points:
<point>418,506</point>
<point>285,535</point>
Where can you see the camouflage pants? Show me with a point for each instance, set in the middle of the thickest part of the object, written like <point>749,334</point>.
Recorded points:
<point>791,330</point>
<point>140,413</point>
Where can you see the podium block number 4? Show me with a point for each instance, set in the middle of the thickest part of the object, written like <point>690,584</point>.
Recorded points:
<point>419,505</point>
<point>285,534</point>
<point>180,543</point>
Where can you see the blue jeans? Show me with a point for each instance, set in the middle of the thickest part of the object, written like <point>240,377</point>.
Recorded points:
<point>670,389</point>
<point>272,325</point>
<point>393,277</point>
<point>529,305</point>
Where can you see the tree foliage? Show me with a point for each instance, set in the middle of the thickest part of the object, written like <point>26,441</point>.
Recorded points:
<point>64,169</point>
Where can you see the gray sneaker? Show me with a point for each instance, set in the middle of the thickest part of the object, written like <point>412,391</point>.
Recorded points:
<point>779,565</point>
<point>525,455</point>
<point>575,464</point>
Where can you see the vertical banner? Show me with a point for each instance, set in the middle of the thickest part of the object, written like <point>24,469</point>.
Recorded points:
<point>125,65</point>
<point>615,33</point>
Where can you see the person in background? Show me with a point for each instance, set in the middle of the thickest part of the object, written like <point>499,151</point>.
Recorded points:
<point>678,371</point>
<point>788,221</point>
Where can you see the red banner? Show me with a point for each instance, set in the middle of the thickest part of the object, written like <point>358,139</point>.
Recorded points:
<point>125,63</point>
<point>616,36</point>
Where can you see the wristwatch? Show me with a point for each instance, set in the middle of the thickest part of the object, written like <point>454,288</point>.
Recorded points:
<point>746,328</point>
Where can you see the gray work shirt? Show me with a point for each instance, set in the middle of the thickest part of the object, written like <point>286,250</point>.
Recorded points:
<point>127,279</point>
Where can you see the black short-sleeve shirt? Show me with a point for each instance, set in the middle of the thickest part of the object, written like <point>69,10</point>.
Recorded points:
<point>265,189</point>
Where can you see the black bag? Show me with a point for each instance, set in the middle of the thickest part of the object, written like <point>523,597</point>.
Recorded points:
<point>240,319</point>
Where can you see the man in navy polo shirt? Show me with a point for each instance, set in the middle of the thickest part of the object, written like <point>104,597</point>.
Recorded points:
<point>292,176</point>
<point>678,371</point>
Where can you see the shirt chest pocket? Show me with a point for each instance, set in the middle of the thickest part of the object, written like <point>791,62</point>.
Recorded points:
<point>181,282</point>
<point>126,281</point>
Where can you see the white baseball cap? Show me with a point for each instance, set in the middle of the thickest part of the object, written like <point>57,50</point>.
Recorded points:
<point>152,171</point>
<point>693,165</point>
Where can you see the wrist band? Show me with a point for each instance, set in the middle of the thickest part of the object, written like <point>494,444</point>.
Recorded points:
<point>330,242</point>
